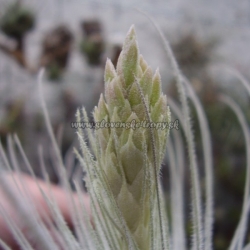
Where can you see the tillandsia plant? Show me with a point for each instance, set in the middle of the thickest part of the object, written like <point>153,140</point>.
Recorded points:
<point>122,160</point>
<point>129,149</point>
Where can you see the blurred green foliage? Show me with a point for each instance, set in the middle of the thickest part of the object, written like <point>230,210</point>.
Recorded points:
<point>17,20</point>
<point>93,48</point>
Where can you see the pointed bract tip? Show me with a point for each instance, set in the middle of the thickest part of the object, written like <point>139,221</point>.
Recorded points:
<point>110,72</point>
<point>108,63</point>
<point>132,28</point>
<point>131,33</point>
<point>157,74</point>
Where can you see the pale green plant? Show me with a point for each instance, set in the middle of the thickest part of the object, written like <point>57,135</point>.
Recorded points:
<point>128,160</point>
<point>123,168</point>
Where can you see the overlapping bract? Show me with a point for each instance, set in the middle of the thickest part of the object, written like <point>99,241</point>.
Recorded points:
<point>127,153</point>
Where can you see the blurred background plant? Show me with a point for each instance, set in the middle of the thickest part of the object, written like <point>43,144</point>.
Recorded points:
<point>16,22</point>
<point>56,51</point>
<point>93,42</point>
